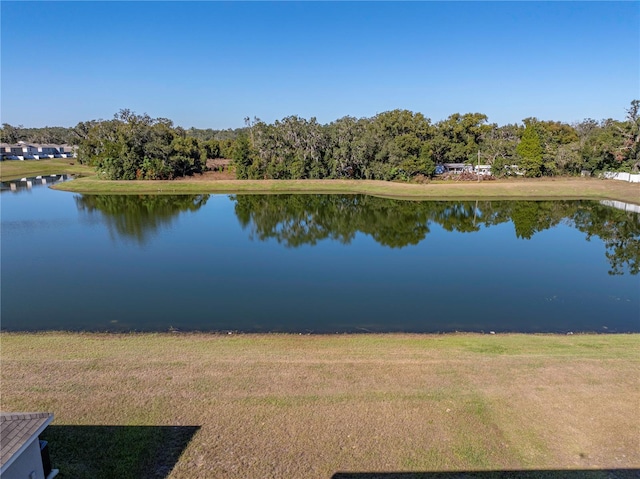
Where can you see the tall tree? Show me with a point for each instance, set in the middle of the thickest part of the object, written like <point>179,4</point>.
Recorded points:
<point>530,150</point>
<point>243,158</point>
<point>10,134</point>
<point>499,148</point>
<point>630,150</point>
<point>458,138</point>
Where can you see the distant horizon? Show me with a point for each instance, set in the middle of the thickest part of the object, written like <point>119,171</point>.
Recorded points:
<point>211,64</point>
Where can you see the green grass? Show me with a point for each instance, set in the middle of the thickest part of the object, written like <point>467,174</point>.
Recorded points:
<point>565,188</point>
<point>520,188</point>
<point>309,406</point>
<point>14,169</point>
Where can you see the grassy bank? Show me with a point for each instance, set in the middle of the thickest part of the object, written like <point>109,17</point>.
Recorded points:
<point>311,406</point>
<point>520,188</point>
<point>14,169</point>
<point>565,188</point>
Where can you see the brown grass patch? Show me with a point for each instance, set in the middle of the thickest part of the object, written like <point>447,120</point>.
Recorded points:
<point>309,406</point>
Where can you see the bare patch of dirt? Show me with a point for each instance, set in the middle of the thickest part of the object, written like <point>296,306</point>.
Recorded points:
<point>217,169</point>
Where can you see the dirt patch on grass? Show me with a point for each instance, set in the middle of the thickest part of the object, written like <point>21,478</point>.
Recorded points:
<point>218,169</point>
<point>309,406</point>
<point>209,176</point>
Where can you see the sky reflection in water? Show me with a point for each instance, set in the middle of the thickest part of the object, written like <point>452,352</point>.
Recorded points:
<point>315,263</point>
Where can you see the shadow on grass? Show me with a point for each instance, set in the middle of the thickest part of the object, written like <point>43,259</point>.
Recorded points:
<point>116,451</point>
<point>528,474</point>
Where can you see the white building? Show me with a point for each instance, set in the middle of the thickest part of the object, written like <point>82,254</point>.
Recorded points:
<point>22,454</point>
<point>34,151</point>
<point>482,170</point>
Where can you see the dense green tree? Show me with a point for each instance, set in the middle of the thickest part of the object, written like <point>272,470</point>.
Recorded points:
<point>347,154</point>
<point>135,146</point>
<point>558,142</point>
<point>243,158</point>
<point>566,160</point>
<point>47,135</point>
<point>458,138</point>
<point>530,151</point>
<point>601,147</point>
<point>212,149</point>
<point>399,144</point>
<point>630,150</point>
<point>187,157</point>
<point>208,134</point>
<point>10,134</point>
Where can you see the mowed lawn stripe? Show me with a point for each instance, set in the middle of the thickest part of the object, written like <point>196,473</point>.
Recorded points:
<point>309,406</point>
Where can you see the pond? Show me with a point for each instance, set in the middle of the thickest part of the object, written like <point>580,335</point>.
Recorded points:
<point>315,264</point>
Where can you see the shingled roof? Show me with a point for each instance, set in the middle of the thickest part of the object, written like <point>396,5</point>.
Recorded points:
<point>17,430</point>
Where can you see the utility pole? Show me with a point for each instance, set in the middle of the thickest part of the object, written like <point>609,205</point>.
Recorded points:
<point>478,172</point>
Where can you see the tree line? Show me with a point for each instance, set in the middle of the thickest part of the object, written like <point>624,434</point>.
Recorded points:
<point>403,145</point>
<point>393,145</point>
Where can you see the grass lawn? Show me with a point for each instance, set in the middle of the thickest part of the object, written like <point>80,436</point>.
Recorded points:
<point>14,169</point>
<point>519,188</point>
<point>563,188</point>
<point>282,406</point>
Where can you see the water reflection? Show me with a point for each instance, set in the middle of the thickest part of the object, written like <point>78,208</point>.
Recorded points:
<point>25,184</point>
<point>138,217</point>
<point>245,263</point>
<point>295,220</point>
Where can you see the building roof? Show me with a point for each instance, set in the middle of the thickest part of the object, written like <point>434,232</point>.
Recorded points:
<point>22,144</point>
<point>17,431</point>
<point>457,165</point>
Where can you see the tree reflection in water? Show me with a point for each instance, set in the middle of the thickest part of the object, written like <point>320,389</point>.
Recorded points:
<point>295,220</point>
<point>139,217</point>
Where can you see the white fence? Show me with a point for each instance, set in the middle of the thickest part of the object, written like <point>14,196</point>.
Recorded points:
<point>615,175</point>
<point>621,205</point>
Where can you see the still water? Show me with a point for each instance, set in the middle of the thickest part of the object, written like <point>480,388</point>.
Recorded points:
<point>315,263</point>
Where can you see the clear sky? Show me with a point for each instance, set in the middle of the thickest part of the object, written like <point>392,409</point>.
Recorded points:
<point>210,64</point>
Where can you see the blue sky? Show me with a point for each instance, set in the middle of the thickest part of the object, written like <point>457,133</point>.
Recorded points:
<point>210,64</point>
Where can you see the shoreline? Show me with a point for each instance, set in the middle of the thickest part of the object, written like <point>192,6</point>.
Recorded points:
<point>517,189</point>
<point>548,188</point>
<point>249,334</point>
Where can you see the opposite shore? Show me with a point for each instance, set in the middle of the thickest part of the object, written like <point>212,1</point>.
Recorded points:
<point>188,405</point>
<point>517,189</point>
